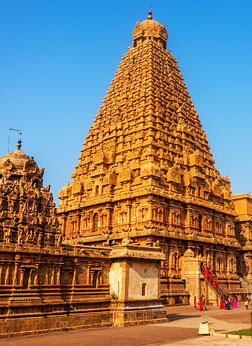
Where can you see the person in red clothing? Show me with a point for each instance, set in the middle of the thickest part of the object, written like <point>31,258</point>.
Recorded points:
<point>214,285</point>
<point>222,303</point>
<point>201,304</point>
<point>195,303</point>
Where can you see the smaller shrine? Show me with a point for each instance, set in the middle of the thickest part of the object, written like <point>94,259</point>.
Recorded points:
<point>27,210</point>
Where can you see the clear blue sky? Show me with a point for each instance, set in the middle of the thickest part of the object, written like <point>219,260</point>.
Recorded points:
<point>58,57</point>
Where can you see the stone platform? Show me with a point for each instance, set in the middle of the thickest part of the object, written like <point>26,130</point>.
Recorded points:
<point>181,330</point>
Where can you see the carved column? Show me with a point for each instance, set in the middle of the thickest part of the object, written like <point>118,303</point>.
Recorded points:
<point>109,222</point>
<point>58,275</point>
<point>36,275</point>
<point>46,275</point>
<point>52,279</point>
<point>64,225</point>
<point>128,205</point>
<point>15,274</point>
<point>88,274</point>
<point>7,274</point>
<point>22,270</point>
<point>78,217</point>
<point>92,277</point>
<point>75,271</point>
<point>1,273</point>
<point>30,277</point>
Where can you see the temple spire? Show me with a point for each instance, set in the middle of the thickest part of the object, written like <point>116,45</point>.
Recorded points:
<point>19,144</point>
<point>149,14</point>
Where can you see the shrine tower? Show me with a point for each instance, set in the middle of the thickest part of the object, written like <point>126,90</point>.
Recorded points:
<point>146,171</point>
<point>27,212</point>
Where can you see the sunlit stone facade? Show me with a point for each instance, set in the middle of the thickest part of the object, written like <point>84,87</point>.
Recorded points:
<point>146,172</point>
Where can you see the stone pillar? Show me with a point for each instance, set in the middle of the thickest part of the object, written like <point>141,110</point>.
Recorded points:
<point>58,276</point>
<point>30,277</point>
<point>64,218</point>
<point>78,223</point>
<point>7,274</point>
<point>36,275</point>
<point>74,275</point>
<point>1,273</point>
<point>15,274</point>
<point>53,276</point>
<point>22,270</point>
<point>88,274</point>
<point>128,205</point>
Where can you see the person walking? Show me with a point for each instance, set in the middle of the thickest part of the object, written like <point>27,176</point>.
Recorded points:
<point>195,302</point>
<point>246,303</point>
<point>235,302</point>
<point>201,304</point>
<point>204,302</point>
<point>222,306</point>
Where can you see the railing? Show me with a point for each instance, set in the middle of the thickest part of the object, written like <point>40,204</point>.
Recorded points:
<point>211,280</point>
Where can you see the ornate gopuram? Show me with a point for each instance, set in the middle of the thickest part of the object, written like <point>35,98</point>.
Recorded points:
<point>146,172</point>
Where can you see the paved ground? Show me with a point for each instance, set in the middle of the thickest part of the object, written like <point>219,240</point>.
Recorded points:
<point>181,330</point>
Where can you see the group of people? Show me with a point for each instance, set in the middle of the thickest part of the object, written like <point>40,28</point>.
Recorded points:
<point>226,302</point>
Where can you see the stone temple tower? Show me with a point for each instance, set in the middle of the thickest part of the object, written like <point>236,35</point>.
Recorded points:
<point>146,171</point>
<point>27,212</point>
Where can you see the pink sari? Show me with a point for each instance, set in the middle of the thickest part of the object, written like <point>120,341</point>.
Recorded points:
<point>235,303</point>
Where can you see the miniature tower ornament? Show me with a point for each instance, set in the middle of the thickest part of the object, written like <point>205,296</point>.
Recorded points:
<point>149,14</point>
<point>19,144</point>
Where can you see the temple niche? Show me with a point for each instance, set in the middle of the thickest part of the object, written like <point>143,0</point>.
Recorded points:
<point>146,171</point>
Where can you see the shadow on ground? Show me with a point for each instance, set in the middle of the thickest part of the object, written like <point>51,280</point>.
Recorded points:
<point>176,317</point>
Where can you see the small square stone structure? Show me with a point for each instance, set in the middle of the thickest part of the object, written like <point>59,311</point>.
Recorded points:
<point>134,285</point>
<point>206,328</point>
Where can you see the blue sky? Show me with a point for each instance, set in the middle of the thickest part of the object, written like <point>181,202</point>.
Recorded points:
<point>58,57</point>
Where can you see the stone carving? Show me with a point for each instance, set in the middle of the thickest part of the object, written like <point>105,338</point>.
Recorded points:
<point>189,253</point>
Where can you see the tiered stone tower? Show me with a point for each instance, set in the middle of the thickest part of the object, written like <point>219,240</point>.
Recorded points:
<point>146,170</point>
<point>27,210</point>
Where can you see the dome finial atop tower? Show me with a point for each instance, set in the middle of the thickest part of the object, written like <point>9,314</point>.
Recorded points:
<point>147,29</point>
<point>150,14</point>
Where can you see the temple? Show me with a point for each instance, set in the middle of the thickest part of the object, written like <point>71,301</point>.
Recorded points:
<point>147,220</point>
<point>146,171</point>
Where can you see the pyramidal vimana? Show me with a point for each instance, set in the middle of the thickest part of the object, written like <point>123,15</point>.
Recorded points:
<point>147,220</point>
<point>146,172</point>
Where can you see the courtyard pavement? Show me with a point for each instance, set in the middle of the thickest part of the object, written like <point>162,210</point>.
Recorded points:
<point>182,329</point>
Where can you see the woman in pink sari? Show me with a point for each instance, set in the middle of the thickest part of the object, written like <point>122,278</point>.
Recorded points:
<point>235,302</point>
